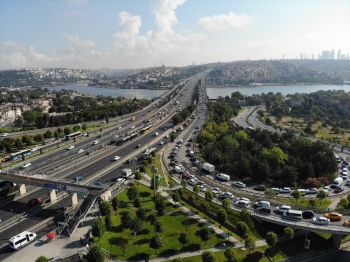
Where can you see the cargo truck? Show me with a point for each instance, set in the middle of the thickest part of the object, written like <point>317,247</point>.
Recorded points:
<point>126,173</point>
<point>208,167</point>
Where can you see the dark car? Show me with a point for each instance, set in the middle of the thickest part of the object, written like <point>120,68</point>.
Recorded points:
<point>34,201</point>
<point>308,214</point>
<point>338,189</point>
<point>264,210</point>
<point>130,161</point>
<point>259,188</point>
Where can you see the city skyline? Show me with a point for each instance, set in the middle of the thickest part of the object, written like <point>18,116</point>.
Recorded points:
<point>123,34</point>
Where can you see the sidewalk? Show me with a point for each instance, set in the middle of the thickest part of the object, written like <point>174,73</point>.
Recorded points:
<point>333,205</point>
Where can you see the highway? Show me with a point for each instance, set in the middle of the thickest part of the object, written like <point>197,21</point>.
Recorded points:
<point>20,204</point>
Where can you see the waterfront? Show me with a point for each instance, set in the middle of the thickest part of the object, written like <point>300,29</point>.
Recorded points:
<point>94,91</point>
<point>285,90</point>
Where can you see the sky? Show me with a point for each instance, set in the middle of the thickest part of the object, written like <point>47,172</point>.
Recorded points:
<point>126,34</point>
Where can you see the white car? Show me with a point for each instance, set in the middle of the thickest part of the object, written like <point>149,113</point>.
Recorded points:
<point>243,199</point>
<point>120,179</point>
<point>156,134</point>
<point>216,190</point>
<point>161,142</point>
<point>80,151</point>
<point>285,190</point>
<point>238,184</point>
<point>203,188</point>
<point>242,203</point>
<point>70,148</point>
<point>95,142</point>
<point>326,188</point>
<point>282,209</point>
<point>26,165</point>
<point>320,221</point>
<point>132,127</point>
<point>4,134</point>
<point>115,158</point>
<point>311,191</point>
<point>193,177</point>
<point>192,182</point>
<point>227,195</point>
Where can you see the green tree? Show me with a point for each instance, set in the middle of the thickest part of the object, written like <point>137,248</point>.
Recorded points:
<point>271,239</point>
<point>221,216</point>
<point>42,259</point>
<point>184,239</point>
<point>105,208</point>
<point>158,227</point>
<point>245,215</point>
<point>296,195</point>
<point>39,138</point>
<point>136,224</point>
<point>184,183</point>
<point>344,203</point>
<point>289,233</point>
<point>126,219</point>
<point>176,197</point>
<point>132,192</point>
<point>312,202</point>
<point>321,194</point>
<point>172,184</point>
<point>84,126</point>
<point>48,134</point>
<point>138,175</point>
<point>141,213</point>
<point>196,190</point>
<point>230,254</point>
<point>242,229</point>
<point>205,234</point>
<point>160,205</point>
<point>108,222</point>
<point>156,243</point>
<point>95,254</point>
<point>226,204</point>
<point>209,196</point>
<point>115,203</point>
<point>249,244</point>
<point>27,140</point>
<point>269,193</point>
<point>67,130</point>
<point>208,256</point>
<point>97,228</point>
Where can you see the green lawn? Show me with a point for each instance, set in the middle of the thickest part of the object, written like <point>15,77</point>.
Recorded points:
<point>305,202</point>
<point>156,162</point>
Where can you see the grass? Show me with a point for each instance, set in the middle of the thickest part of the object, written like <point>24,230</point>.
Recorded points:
<point>305,202</point>
<point>156,162</point>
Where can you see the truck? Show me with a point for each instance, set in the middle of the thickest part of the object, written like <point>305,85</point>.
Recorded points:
<point>126,173</point>
<point>178,169</point>
<point>337,182</point>
<point>223,177</point>
<point>208,167</point>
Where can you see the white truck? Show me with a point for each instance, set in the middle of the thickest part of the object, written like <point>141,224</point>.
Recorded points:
<point>126,173</point>
<point>337,182</point>
<point>178,169</point>
<point>223,177</point>
<point>208,167</point>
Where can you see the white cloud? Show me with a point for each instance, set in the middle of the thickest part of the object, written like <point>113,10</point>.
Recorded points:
<point>225,22</point>
<point>295,40</point>
<point>80,43</point>
<point>69,13</point>
<point>265,43</point>
<point>77,3</point>
<point>129,26</point>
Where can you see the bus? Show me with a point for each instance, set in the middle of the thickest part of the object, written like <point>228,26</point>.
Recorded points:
<point>293,214</point>
<point>133,118</point>
<point>133,135</point>
<point>146,129</point>
<point>21,240</point>
<point>73,136</point>
<point>18,155</point>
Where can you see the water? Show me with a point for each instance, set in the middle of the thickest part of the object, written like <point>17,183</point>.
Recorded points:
<point>92,90</point>
<point>285,90</point>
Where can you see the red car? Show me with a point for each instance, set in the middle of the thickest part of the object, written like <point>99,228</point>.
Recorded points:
<point>34,201</point>
<point>185,176</point>
<point>346,163</point>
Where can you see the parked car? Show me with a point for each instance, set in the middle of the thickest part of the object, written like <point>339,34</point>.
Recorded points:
<point>285,190</point>
<point>320,221</point>
<point>226,195</point>
<point>334,216</point>
<point>308,214</point>
<point>311,190</point>
<point>203,188</point>
<point>281,209</point>
<point>80,151</point>
<point>347,183</point>
<point>238,184</point>
<point>120,179</point>
<point>192,182</point>
<point>216,191</point>
<point>34,201</point>
<point>259,188</point>
<point>161,142</point>
<point>264,210</point>
<point>242,203</point>
<point>338,189</point>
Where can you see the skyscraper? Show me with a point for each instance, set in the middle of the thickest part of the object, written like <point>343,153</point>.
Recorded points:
<point>326,55</point>
<point>301,55</point>
<point>339,55</point>
<point>332,54</point>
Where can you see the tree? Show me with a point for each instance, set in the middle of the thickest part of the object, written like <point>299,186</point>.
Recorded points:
<point>230,254</point>
<point>176,197</point>
<point>226,204</point>
<point>141,213</point>
<point>132,192</point>
<point>84,126</point>
<point>321,194</point>
<point>209,196</point>
<point>160,205</point>
<point>269,193</point>
<point>289,233</point>
<point>296,195</point>
<point>344,203</point>
<point>108,222</point>
<point>105,208</point>
<point>97,228</point>
<point>312,203</point>
<point>271,239</point>
<point>138,175</point>
<point>208,256</point>
<point>158,227</point>
<point>115,203</point>
<point>137,202</point>
<point>171,183</point>
<point>242,229</point>
<point>126,219</point>
<point>205,234</point>
<point>95,254</point>
<point>136,224</point>
<point>184,239</point>
<point>245,214</point>
<point>156,243</point>
<point>27,140</point>
<point>249,244</point>
<point>221,216</point>
<point>42,259</point>
<point>122,242</point>
<point>196,189</point>
<point>67,130</point>
<point>39,138</point>
<point>184,183</point>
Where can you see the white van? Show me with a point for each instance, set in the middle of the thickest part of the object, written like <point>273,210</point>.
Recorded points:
<point>21,240</point>
<point>262,204</point>
<point>302,191</point>
<point>293,214</point>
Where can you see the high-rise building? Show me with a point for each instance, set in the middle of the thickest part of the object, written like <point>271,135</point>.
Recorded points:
<point>284,56</point>
<point>339,55</point>
<point>305,56</point>
<point>326,55</point>
<point>319,56</point>
<point>312,56</point>
<point>332,54</point>
<point>301,55</point>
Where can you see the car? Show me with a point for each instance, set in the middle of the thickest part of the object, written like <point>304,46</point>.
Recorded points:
<point>129,161</point>
<point>197,162</point>
<point>326,188</point>
<point>216,191</point>
<point>70,147</point>
<point>311,190</point>
<point>4,134</point>
<point>238,184</point>
<point>193,177</point>
<point>242,203</point>
<point>201,183</point>
<point>345,169</point>
<point>176,160</point>
<point>132,127</point>
<point>282,209</point>
<point>172,163</point>
<point>192,182</point>
<point>100,135</point>
<point>334,216</point>
<point>285,190</point>
<point>308,214</point>
<point>138,146</point>
<point>264,210</point>
<point>347,183</point>
<point>203,188</point>
<point>156,133</point>
<point>34,201</point>
<point>338,189</point>
<point>78,178</point>
<point>345,162</point>
<point>26,165</point>
<point>120,179</point>
<point>347,223</point>
<point>115,158</point>
<point>259,188</point>
<point>321,221</point>
<point>175,148</point>
<point>97,184</point>
<point>226,195</point>
<point>161,142</point>
<point>243,199</point>
<point>80,151</point>
<point>185,176</point>
<point>95,142</point>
